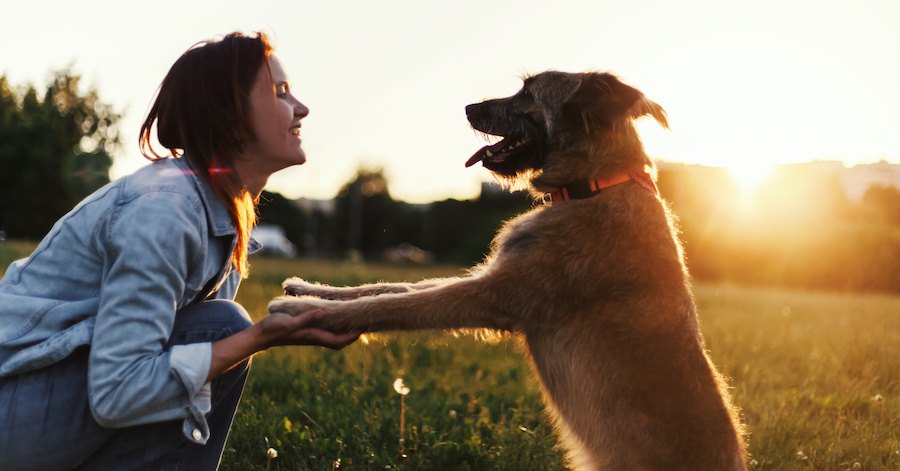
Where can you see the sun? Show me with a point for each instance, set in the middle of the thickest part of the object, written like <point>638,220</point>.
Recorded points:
<point>749,175</point>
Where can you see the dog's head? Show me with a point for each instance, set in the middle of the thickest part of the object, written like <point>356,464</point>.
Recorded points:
<point>562,126</point>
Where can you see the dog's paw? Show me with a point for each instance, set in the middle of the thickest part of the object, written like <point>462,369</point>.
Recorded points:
<point>300,287</point>
<point>294,305</point>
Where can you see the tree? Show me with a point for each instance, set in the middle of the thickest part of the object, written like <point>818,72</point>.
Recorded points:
<point>365,213</point>
<point>275,209</point>
<point>55,149</point>
<point>882,202</point>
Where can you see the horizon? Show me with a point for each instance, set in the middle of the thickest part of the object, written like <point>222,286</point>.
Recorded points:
<point>745,86</point>
<point>742,182</point>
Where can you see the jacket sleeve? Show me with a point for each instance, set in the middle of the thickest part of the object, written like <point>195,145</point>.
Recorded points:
<point>150,245</point>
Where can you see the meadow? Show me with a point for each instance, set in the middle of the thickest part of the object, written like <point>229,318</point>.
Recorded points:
<point>817,376</point>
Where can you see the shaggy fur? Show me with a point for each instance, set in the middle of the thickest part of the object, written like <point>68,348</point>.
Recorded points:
<point>596,286</point>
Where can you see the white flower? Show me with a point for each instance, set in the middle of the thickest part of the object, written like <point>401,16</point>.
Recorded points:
<point>400,388</point>
<point>272,453</point>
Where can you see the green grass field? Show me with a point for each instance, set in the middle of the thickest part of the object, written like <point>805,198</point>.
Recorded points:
<point>817,376</point>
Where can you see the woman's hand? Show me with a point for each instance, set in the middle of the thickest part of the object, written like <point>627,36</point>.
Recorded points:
<point>283,329</point>
<point>276,329</point>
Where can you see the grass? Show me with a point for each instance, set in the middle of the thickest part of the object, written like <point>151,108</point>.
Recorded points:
<point>817,376</point>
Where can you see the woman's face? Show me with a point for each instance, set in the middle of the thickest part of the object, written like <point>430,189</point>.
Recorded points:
<point>275,115</point>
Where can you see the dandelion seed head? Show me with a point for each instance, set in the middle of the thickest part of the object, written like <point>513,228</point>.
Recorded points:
<point>453,413</point>
<point>857,465</point>
<point>753,463</point>
<point>878,398</point>
<point>272,453</point>
<point>400,388</point>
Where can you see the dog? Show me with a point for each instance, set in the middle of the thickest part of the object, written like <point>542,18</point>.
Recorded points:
<point>594,281</point>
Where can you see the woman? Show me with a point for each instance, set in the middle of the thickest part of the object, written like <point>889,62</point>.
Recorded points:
<point>120,344</point>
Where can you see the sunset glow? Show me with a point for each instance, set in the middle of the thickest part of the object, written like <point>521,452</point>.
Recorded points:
<point>749,175</point>
<point>745,85</point>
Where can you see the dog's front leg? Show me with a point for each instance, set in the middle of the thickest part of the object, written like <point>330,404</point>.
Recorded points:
<point>301,287</point>
<point>459,304</point>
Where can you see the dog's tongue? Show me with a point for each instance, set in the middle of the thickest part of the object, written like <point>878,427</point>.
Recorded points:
<point>491,152</point>
<point>476,157</point>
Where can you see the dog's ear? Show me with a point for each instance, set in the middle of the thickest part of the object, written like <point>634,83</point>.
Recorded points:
<point>602,98</point>
<point>644,107</point>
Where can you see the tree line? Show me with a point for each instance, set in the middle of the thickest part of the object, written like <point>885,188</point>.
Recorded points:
<point>56,147</point>
<point>799,230</point>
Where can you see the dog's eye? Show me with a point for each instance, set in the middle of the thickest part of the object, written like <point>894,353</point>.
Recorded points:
<point>526,93</point>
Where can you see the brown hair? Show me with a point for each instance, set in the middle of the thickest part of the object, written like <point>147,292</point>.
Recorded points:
<point>201,110</point>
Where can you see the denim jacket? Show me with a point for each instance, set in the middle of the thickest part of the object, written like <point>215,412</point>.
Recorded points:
<point>112,274</point>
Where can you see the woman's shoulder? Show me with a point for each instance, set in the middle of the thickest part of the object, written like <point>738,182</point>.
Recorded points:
<point>163,179</point>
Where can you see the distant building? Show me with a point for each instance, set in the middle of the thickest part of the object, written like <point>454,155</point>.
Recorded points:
<point>856,180</point>
<point>492,188</point>
<point>853,180</point>
<point>273,240</point>
<point>307,204</point>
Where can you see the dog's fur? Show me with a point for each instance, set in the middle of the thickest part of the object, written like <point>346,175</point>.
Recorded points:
<point>597,286</point>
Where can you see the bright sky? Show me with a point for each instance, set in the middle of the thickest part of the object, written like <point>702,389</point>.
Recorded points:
<point>745,84</point>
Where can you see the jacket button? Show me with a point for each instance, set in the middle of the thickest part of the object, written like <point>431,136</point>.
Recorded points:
<point>197,434</point>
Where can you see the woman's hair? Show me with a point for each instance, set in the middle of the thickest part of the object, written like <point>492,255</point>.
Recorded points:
<point>201,110</point>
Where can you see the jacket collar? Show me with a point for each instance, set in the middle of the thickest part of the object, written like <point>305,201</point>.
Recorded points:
<point>219,219</point>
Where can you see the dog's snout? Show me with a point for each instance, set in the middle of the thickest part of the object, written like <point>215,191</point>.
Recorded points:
<point>470,109</point>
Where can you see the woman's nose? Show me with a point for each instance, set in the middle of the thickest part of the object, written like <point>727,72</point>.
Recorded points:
<point>300,110</point>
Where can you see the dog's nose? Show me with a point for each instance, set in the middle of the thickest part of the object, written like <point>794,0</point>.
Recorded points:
<point>470,109</point>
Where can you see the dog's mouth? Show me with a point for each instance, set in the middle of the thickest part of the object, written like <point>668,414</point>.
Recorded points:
<point>520,151</point>
<point>502,152</point>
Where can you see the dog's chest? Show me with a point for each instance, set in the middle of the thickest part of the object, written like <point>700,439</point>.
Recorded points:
<point>521,233</point>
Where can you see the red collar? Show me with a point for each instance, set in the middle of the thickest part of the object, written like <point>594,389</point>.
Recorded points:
<point>585,189</point>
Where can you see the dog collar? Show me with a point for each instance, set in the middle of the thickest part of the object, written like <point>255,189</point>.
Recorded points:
<point>586,189</point>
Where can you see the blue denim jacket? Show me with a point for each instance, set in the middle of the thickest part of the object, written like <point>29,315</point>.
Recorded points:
<point>112,274</point>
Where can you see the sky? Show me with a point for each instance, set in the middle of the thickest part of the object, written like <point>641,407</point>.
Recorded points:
<point>745,84</point>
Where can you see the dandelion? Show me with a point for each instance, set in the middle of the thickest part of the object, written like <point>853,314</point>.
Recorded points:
<point>453,413</point>
<point>857,465</point>
<point>271,453</point>
<point>754,463</point>
<point>878,399</point>
<point>800,455</point>
<point>402,390</point>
